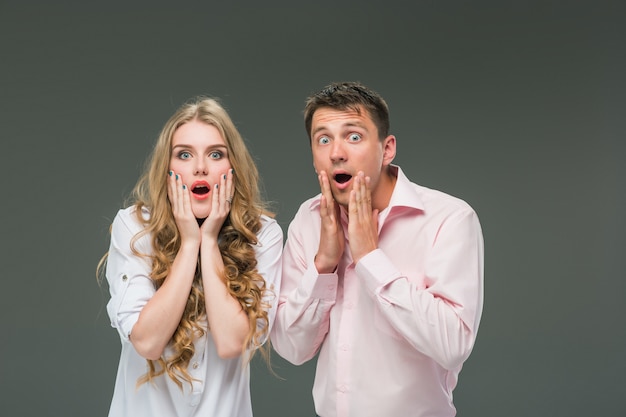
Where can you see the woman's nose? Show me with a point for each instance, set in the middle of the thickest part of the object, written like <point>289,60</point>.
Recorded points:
<point>200,167</point>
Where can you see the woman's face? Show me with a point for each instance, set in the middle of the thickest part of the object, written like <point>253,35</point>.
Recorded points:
<point>200,158</point>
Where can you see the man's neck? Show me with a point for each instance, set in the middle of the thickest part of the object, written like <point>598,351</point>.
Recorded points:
<point>385,188</point>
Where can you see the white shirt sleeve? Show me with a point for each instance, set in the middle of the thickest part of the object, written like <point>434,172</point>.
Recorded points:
<point>269,264</point>
<point>128,273</point>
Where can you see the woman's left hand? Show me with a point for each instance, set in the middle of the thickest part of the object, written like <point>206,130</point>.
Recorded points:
<point>220,206</point>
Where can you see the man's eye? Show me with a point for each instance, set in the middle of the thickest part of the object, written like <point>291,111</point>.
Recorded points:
<point>215,155</point>
<point>184,155</point>
<point>354,137</point>
<point>323,140</point>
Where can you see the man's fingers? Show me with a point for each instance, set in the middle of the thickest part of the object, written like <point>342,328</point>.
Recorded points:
<point>327,203</point>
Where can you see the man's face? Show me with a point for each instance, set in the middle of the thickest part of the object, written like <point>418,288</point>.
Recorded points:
<point>345,142</point>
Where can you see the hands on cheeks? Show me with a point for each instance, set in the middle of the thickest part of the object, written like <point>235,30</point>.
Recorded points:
<point>332,241</point>
<point>180,200</point>
<point>363,220</point>
<point>220,206</point>
<point>362,224</point>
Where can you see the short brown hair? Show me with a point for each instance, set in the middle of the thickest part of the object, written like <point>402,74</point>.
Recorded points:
<point>349,96</point>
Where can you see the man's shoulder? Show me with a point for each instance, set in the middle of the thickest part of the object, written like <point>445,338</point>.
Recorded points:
<point>408,193</point>
<point>311,204</point>
<point>307,211</point>
<point>441,200</point>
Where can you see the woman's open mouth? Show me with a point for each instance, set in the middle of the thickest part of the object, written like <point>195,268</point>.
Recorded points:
<point>200,190</point>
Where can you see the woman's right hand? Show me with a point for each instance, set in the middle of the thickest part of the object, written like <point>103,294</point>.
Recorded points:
<point>161,315</point>
<point>180,200</point>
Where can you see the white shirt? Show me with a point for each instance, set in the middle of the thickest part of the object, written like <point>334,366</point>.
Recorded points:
<point>222,388</point>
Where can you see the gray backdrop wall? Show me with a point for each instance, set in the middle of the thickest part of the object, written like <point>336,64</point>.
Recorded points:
<point>516,107</point>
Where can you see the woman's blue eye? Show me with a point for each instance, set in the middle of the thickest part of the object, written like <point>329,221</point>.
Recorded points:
<point>215,155</point>
<point>184,155</point>
<point>323,140</point>
<point>354,137</point>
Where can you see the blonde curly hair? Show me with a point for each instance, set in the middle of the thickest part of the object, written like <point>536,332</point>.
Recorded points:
<point>237,237</point>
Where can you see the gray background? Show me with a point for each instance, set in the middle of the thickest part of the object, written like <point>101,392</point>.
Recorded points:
<point>516,107</point>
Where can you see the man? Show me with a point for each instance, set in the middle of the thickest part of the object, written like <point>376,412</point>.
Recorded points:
<point>381,276</point>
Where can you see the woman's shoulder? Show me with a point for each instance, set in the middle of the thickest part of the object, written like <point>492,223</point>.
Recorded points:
<point>270,229</point>
<point>268,222</point>
<point>129,219</point>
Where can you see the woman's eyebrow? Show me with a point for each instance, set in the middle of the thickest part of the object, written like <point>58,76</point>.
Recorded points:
<point>185,146</point>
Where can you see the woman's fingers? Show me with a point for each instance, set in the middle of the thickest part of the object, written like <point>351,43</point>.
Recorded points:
<point>226,193</point>
<point>173,192</point>
<point>230,186</point>
<point>223,194</point>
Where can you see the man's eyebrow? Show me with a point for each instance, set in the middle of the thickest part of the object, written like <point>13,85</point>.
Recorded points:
<point>355,123</point>
<point>314,131</point>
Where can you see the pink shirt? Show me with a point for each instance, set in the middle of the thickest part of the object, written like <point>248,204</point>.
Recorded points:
<point>393,331</point>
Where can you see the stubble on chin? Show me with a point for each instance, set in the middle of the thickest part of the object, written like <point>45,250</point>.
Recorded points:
<point>341,198</point>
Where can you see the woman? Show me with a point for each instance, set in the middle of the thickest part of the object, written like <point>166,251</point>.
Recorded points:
<point>193,270</point>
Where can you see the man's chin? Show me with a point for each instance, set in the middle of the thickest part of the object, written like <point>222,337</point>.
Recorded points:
<point>342,199</point>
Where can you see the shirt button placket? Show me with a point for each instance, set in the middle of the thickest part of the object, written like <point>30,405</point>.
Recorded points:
<point>196,393</point>
<point>344,345</point>
<point>195,369</point>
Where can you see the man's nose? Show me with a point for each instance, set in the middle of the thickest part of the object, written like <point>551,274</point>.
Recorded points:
<point>337,151</point>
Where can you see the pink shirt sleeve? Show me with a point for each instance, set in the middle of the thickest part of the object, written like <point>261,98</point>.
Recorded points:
<point>440,320</point>
<point>303,322</point>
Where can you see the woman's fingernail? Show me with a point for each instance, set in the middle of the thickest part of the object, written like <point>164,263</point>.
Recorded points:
<point>184,187</point>
<point>176,176</point>
<point>171,173</point>
<point>224,176</point>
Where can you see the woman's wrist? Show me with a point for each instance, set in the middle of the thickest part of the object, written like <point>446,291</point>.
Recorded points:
<point>190,244</point>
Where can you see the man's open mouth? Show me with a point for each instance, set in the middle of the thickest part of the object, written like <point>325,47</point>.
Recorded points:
<point>342,178</point>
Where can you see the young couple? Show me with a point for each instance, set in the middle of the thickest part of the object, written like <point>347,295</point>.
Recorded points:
<point>380,276</point>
